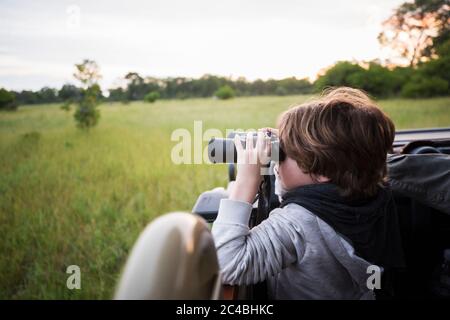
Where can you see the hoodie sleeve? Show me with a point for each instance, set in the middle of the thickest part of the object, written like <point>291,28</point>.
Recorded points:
<point>251,256</point>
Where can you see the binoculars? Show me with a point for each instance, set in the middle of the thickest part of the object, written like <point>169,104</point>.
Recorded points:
<point>222,150</point>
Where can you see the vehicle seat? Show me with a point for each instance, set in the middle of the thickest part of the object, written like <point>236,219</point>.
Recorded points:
<point>174,258</point>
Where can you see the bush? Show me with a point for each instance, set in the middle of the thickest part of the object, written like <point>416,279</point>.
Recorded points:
<point>152,96</point>
<point>436,68</point>
<point>7,100</point>
<point>87,114</point>
<point>224,92</point>
<point>401,76</point>
<point>425,87</point>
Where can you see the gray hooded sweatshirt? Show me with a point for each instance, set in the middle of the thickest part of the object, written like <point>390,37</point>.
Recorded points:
<point>299,255</point>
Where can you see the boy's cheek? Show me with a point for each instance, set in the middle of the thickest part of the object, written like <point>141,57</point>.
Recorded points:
<point>292,176</point>
<point>288,174</point>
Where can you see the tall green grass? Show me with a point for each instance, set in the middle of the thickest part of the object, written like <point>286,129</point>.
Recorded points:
<point>73,197</point>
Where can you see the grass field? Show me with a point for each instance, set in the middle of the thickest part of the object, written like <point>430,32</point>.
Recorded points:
<point>73,197</point>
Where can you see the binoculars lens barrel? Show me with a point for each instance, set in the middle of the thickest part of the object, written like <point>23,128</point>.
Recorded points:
<point>224,151</point>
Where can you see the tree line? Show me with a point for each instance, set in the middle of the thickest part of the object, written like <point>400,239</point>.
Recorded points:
<point>427,79</point>
<point>137,87</point>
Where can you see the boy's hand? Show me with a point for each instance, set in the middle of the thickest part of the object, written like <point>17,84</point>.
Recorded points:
<point>249,162</point>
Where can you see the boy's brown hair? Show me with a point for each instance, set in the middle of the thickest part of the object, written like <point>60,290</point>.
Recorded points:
<point>343,136</point>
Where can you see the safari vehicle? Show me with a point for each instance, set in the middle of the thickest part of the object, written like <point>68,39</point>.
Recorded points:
<point>175,258</point>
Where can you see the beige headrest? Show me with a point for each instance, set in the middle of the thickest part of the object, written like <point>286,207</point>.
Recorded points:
<point>174,258</point>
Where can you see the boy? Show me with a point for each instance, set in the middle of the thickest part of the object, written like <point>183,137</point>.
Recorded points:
<point>336,217</point>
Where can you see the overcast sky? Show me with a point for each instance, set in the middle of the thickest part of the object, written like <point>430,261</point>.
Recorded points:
<point>41,40</point>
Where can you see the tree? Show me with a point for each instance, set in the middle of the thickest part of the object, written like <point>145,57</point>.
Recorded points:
<point>401,75</point>
<point>258,87</point>
<point>87,114</point>
<point>47,95</point>
<point>69,92</point>
<point>281,91</point>
<point>338,75</point>
<point>118,94</point>
<point>376,79</point>
<point>224,93</point>
<point>242,86</point>
<point>294,86</point>
<point>136,88</point>
<point>7,100</point>
<point>27,97</point>
<point>415,29</point>
<point>431,78</point>
<point>88,73</point>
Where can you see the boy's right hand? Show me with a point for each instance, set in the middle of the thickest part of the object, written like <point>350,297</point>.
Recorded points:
<point>249,162</point>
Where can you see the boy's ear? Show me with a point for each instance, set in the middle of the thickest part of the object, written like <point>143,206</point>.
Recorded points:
<point>322,179</point>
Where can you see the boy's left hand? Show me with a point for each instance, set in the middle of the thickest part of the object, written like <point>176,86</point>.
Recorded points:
<point>249,163</point>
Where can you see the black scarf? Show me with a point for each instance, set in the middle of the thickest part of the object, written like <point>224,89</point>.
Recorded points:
<point>370,224</point>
